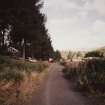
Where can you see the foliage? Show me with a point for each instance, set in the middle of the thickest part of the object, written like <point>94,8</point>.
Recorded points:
<point>23,20</point>
<point>94,54</point>
<point>57,55</point>
<point>90,75</point>
<point>79,54</point>
<point>11,69</point>
<point>70,55</point>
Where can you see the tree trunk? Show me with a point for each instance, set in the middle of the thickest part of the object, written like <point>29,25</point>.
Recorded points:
<point>24,54</point>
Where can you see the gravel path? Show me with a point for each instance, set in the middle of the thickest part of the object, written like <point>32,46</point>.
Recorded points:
<point>56,90</point>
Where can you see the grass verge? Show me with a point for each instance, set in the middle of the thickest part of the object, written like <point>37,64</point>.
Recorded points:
<point>18,79</point>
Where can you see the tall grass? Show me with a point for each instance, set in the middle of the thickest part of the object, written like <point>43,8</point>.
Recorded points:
<point>18,79</point>
<point>90,74</point>
<point>11,69</point>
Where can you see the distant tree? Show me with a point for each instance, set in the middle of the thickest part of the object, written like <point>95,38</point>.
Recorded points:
<point>57,55</point>
<point>94,54</point>
<point>79,54</point>
<point>70,55</point>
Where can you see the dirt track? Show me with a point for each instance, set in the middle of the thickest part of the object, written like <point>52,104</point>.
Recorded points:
<point>56,90</point>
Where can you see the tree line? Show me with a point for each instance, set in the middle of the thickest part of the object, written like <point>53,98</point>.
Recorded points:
<point>22,26</point>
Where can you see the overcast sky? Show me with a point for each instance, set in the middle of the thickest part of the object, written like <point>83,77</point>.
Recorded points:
<point>76,24</point>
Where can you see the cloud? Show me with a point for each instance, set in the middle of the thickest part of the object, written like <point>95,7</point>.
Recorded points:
<point>76,24</point>
<point>99,27</point>
<point>60,9</point>
<point>99,5</point>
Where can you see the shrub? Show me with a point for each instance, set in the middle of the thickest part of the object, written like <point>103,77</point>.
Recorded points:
<point>90,74</point>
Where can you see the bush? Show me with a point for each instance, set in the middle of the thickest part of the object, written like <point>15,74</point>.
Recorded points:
<point>95,74</point>
<point>70,72</point>
<point>95,54</point>
<point>90,74</point>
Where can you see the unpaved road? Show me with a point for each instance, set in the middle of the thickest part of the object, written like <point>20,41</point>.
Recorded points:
<point>56,90</point>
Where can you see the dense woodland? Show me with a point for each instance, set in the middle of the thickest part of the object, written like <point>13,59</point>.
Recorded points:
<point>22,26</point>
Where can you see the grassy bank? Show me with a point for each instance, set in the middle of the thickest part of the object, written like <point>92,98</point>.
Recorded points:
<point>18,79</point>
<point>89,76</point>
